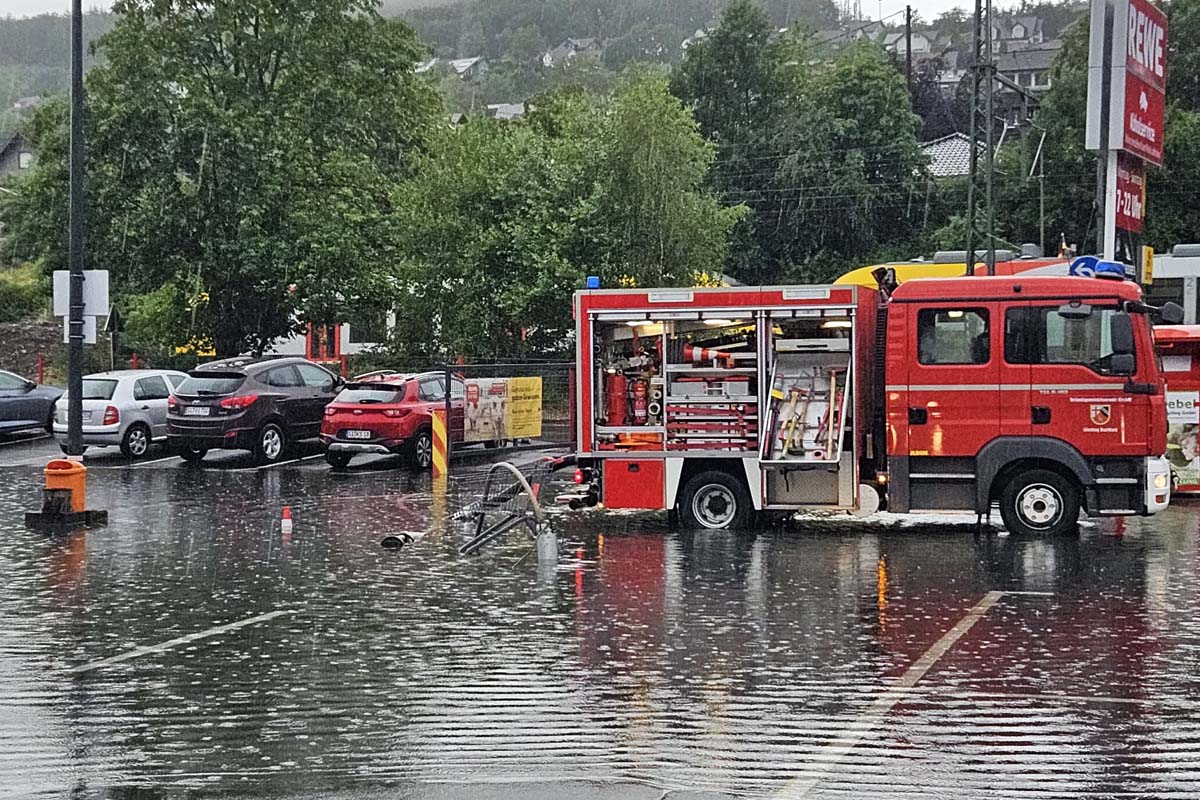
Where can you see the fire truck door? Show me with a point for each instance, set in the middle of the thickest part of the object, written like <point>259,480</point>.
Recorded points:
<point>953,383</point>
<point>1075,395</point>
<point>1018,417</point>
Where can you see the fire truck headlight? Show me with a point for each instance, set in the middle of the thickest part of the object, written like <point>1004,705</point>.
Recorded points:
<point>1160,481</point>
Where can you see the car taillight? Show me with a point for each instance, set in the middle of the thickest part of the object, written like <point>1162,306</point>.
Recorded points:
<point>111,416</point>
<point>239,403</point>
<point>330,411</point>
<point>172,403</point>
<point>396,413</point>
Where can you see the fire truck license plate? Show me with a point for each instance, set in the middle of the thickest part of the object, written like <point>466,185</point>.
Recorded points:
<point>358,434</point>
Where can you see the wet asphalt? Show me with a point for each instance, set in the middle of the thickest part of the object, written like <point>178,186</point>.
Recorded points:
<point>191,648</point>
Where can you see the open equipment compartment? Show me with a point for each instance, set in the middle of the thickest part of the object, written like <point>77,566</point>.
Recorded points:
<point>675,381</point>
<point>806,454</point>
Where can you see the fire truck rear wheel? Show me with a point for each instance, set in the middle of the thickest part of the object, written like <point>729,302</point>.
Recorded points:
<point>1039,502</point>
<point>716,501</point>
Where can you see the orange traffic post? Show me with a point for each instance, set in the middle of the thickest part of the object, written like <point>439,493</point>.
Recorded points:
<point>441,450</point>
<point>70,476</point>
<point>64,499</point>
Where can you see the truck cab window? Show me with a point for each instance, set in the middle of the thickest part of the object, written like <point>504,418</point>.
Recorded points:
<point>1049,338</point>
<point>953,336</point>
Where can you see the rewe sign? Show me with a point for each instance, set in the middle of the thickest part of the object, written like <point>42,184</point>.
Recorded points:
<point>1145,80</point>
<point>1130,36</point>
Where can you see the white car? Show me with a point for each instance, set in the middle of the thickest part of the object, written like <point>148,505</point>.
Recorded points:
<point>126,408</point>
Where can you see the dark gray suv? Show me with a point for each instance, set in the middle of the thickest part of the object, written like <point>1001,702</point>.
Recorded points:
<point>258,404</point>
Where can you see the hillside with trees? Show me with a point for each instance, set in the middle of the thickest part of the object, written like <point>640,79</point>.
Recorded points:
<point>317,175</point>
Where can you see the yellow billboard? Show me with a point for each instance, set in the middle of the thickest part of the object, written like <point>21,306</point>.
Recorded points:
<point>497,409</point>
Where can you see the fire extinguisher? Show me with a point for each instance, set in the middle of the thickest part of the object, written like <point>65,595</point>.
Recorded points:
<point>618,399</point>
<point>641,395</point>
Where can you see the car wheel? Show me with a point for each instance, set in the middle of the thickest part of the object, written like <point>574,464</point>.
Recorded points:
<point>420,449</point>
<point>338,460</point>
<point>1039,502</point>
<point>191,454</point>
<point>715,500</point>
<point>271,444</point>
<point>66,452</point>
<point>136,441</point>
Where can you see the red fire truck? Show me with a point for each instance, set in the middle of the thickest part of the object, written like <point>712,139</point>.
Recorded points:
<point>1042,394</point>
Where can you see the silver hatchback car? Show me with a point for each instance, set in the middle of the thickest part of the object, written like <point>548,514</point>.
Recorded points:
<point>126,408</point>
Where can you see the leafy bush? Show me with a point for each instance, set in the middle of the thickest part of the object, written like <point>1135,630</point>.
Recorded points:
<point>24,293</point>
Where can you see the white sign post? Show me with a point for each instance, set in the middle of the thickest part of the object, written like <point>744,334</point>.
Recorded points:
<point>95,293</point>
<point>89,330</point>
<point>95,301</point>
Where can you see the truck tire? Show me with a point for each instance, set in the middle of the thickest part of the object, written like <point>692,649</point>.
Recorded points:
<point>1039,502</point>
<point>715,500</point>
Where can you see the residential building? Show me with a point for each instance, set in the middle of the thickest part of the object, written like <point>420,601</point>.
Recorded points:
<point>949,156</point>
<point>1029,66</point>
<point>16,155</point>
<point>698,36</point>
<point>569,49</point>
<point>466,68</point>
<point>922,42</point>
<point>506,111</point>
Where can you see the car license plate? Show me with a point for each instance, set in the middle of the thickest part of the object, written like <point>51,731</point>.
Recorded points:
<point>358,434</point>
<point>196,411</point>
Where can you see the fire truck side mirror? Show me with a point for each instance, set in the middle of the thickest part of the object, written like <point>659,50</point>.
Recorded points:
<point>1122,337</point>
<point>1171,314</point>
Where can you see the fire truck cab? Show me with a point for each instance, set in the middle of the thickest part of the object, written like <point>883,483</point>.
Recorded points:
<point>1042,394</point>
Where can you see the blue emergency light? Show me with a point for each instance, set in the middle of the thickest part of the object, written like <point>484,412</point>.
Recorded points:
<point>593,281</point>
<point>1094,267</point>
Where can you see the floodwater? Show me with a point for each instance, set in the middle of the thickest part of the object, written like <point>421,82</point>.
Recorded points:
<point>831,659</point>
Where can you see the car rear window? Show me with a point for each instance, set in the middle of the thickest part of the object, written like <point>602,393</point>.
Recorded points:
<point>199,383</point>
<point>95,389</point>
<point>367,394</point>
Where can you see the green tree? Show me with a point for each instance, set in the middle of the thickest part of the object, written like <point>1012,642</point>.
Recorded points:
<point>243,152</point>
<point>821,147</point>
<point>651,218</point>
<point>504,220</point>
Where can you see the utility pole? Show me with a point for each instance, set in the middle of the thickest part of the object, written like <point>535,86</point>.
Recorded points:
<point>981,220</point>
<point>1039,163</point>
<point>908,48</point>
<point>75,242</point>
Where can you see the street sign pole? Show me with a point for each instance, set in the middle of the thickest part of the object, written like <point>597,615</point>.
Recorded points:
<point>75,242</point>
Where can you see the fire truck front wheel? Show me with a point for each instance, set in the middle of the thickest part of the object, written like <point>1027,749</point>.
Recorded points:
<point>715,500</point>
<point>1040,502</point>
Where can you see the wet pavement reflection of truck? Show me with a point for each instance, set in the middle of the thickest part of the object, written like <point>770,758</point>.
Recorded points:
<point>832,658</point>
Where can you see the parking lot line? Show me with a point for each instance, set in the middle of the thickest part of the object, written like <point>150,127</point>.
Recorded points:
<point>25,440</point>
<point>153,461</point>
<point>167,645</point>
<point>279,464</point>
<point>873,715</point>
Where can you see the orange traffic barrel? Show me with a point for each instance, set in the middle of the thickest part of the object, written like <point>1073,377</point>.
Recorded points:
<point>71,475</point>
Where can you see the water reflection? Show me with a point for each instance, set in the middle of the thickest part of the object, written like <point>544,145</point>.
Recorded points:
<point>723,662</point>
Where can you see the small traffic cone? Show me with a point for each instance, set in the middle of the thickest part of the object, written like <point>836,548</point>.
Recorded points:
<point>286,522</point>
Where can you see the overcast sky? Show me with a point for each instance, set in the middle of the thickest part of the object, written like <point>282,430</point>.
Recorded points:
<point>871,8</point>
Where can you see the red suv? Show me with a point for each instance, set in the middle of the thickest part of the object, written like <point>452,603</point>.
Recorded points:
<point>390,413</point>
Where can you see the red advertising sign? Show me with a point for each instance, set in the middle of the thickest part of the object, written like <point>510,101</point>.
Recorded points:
<point>1145,80</point>
<point>1131,193</point>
